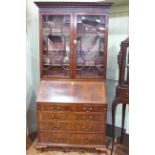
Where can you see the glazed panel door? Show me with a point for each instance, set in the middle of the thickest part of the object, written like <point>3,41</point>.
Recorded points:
<point>89,46</point>
<point>73,45</point>
<point>55,45</point>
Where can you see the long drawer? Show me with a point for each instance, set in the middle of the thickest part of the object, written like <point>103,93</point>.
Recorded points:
<point>71,138</point>
<point>71,126</point>
<point>46,116</point>
<point>72,108</point>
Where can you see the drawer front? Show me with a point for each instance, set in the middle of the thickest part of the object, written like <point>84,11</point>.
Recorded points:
<point>122,93</point>
<point>71,138</point>
<point>72,108</point>
<point>72,126</point>
<point>47,116</point>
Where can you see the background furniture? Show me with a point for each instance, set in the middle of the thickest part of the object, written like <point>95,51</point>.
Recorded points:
<point>71,101</point>
<point>122,90</point>
<point>27,139</point>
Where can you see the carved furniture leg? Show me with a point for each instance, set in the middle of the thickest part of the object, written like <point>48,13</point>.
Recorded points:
<point>114,105</point>
<point>27,139</point>
<point>123,118</point>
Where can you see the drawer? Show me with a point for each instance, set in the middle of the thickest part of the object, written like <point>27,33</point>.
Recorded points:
<point>90,108</point>
<point>72,126</point>
<point>73,108</point>
<point>71,138</point>
<point>122,93</point>
<point>63,116</point>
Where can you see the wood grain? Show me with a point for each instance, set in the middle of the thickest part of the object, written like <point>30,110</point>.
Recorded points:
<point>72,92</point>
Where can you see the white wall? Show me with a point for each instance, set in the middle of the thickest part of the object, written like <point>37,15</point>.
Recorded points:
<point>32,64</point>
<point>118,31</point>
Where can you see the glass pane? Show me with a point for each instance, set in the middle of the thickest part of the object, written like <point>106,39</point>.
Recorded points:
<point>56,45</point>
<point>90,46</point>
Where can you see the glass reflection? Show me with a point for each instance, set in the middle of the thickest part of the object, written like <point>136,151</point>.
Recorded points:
<point>90,46</point>
<point>56,45</point>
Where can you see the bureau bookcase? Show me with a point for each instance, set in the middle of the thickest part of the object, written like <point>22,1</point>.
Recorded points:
<point>71,101</point>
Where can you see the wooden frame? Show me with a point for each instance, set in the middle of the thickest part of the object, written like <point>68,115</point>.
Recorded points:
<point>73,9</point>
<point>105,44</point>
<point>40,28</point>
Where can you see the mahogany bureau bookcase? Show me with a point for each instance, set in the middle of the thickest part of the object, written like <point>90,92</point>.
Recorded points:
<point>71,101</point>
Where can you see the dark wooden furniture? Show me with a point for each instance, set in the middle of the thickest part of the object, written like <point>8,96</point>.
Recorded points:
<point>73,40</point>
<point>27,139</point>
<point>122,145</point>
<point>72,114</point>
<point>122,90</point>
<point>73,56</point>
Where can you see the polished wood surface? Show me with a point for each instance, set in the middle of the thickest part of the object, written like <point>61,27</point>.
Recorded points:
<point>72,113</point>
<point>71,138</point>
<point>72,92</point>
<point>62,126</point>
<point>75,108</point>
<point>71,116</point>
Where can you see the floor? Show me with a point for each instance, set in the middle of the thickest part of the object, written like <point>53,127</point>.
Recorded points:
<point>118,150</point>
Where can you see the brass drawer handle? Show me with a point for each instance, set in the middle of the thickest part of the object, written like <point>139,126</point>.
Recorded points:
<point>52,108</point>
<point>57,109</point>
<point>88,109</point>
<point>84,108</point>
<point>87,128</point>
<point>87,140</point>
<point>91,108</point>
<point>56,127</point>
<point>58,139</point>
<point>88,118</point>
